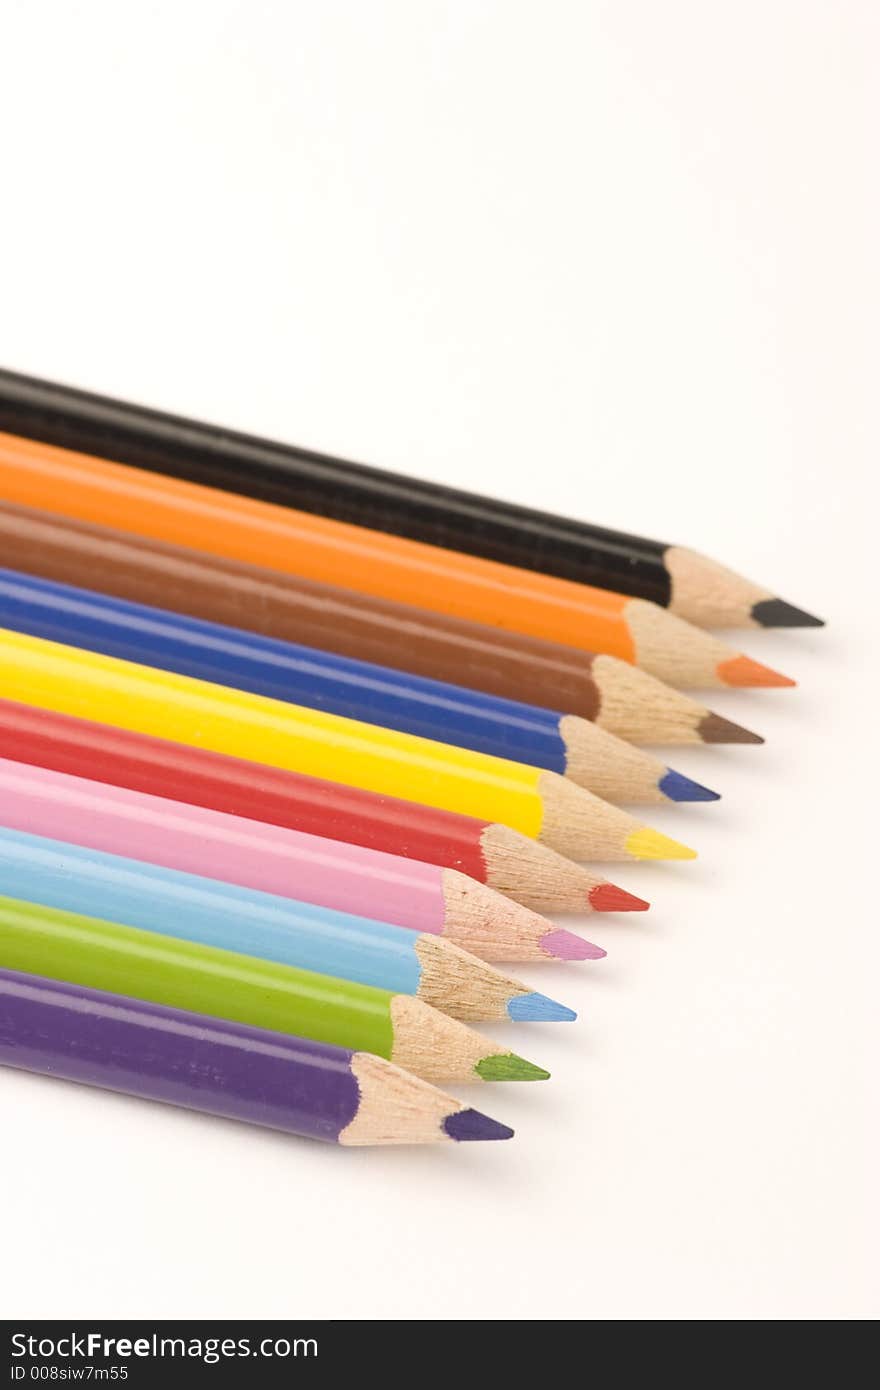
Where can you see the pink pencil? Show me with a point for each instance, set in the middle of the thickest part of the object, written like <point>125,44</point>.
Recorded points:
<point>328,873</point>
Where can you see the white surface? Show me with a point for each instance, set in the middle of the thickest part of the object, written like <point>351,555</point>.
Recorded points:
<point>618,260</point>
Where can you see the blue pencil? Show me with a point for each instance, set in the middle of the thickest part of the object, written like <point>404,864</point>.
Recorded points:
<point>231,918</point>
<point>339,685</point>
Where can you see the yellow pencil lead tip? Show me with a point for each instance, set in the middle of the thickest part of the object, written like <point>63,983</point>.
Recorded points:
<point>646,843</point>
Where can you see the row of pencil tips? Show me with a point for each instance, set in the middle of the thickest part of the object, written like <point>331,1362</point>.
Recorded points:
<point>294,754</point>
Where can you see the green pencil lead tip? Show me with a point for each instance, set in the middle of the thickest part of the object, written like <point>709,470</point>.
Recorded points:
<point>506,1066</point>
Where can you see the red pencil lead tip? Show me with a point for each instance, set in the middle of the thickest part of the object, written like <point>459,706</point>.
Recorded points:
<point>607,897</point>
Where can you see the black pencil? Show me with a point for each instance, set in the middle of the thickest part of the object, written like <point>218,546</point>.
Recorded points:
<point>689,584</point>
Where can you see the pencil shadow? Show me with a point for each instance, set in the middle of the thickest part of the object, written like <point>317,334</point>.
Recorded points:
<point>466,1163</point>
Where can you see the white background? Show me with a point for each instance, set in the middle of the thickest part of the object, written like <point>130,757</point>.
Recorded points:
<point>615,259</point>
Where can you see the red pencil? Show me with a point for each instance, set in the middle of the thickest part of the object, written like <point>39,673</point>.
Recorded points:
<point>493,854</point>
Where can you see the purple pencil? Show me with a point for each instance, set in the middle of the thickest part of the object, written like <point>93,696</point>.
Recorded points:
<point>223,1068</point>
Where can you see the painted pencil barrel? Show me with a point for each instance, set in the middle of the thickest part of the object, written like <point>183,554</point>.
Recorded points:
<point>541,804</point>
<point>293,609</point>
<point>290,868</point>
<point>282,670</point>
<point>73,681</point>
<point>101,954</point>
<point>288,475</point>
<point>614,695</point>
<point>195,840</point>
<point>190,1060</point>
<point>513,865</point>
<point>45,737</point>
<point>336,685</point>
<point>167,970</point>
<point>385,566</point>
<point>157,899</point>
<point>181,1058</point>
<point>285,474</point>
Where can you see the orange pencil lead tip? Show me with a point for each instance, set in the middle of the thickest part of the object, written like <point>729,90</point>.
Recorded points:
<point>743,671</point>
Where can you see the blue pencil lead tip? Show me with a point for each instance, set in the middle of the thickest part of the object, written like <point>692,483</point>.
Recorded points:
<point>467,1125</point>
<point>538,1008</point>
<point>680,788</point>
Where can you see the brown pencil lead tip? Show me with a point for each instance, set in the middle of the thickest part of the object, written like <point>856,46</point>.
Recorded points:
<point>713,728</point>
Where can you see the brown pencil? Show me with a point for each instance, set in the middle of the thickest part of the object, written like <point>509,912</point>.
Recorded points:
<point>617,697</point>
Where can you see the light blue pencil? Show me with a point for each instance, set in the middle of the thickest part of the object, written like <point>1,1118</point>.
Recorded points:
<point>224,915</point>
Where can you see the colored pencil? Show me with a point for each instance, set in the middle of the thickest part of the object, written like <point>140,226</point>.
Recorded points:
<point>271,1079</point>
<point>320,680</point>
<point>682,580</point>
<point>541,804</point>
<point>590,619</point>
<point>619,698</point>
<point>480,852</point>
<point>274,860</point>
<point>166,970</point>
<point>76,878</point>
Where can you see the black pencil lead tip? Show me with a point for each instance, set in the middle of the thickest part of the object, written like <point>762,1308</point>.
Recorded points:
<point>775,612</point>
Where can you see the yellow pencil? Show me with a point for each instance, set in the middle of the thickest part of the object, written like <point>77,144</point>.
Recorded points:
<point>538,803</point>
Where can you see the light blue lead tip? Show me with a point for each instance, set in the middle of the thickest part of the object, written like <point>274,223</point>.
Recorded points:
<point>537,1008</point>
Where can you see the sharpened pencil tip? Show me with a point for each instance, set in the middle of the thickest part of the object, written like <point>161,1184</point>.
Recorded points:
<point>680,788</point>
<point>538,1008</point>
<point>607,897</point>
<point>714,729</point>
<point>564,945</point>
<point>506,1066</point>
<point>743,671</point>
<point>775,612</point>
<point>466,1125</point>
<point>646,843</point>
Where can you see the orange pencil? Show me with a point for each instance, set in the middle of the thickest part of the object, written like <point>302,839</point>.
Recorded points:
<point>240,528</point>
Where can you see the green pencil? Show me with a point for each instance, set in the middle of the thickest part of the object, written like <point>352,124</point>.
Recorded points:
<point>186,975</point>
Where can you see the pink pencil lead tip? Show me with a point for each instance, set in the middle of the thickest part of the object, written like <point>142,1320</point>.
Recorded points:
<point>565,945</point>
